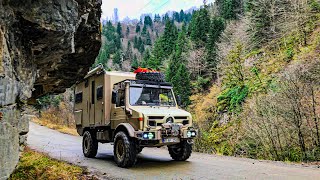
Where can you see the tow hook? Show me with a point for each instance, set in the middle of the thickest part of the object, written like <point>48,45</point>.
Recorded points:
<point>190,141</point>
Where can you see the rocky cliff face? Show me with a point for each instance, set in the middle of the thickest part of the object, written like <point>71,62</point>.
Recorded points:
<point>45,47</point>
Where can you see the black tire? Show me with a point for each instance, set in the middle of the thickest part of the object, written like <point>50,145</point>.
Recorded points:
<point>151,76</point>
<point>180,152</point>
<point>89,145</point>
<point>125,152</point>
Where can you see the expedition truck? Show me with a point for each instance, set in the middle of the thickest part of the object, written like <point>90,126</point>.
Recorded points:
<point>132,111</point>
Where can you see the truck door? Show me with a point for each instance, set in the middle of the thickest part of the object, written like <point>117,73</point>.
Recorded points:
<point>92,103</point>
<point>118,113</point>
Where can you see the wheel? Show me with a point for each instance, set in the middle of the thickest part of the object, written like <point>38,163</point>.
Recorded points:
<point>125,152</point>
<point>139,149</point>
<point>151,76</point>
<point>180,152</point>
<point>89,145</point>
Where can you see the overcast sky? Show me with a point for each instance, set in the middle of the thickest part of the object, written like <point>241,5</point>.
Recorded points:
<point>134,8</point>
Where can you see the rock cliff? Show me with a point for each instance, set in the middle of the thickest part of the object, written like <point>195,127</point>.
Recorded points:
<point>45,47</point>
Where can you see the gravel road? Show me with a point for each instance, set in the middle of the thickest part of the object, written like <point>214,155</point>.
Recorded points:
<point>155,163</point>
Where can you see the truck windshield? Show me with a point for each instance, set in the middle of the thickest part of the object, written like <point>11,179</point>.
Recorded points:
<point>147,96</point>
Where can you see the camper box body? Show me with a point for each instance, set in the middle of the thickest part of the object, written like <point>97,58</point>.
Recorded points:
<point>93,98</point>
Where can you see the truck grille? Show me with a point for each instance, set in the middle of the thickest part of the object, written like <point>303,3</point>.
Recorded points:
<point>181,117</point>
<point>156,117</point>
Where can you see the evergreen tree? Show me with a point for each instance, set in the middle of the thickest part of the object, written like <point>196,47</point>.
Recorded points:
<point>135,42</point>
<point>117,58</point>
<point>217,26</point>
<point>129,51</point>
<point>157,18</point>
<point>139,42</point>
<point>135,62</point>
<point>117,42</point>
<point>138,28</point>
<point>147,61</point>
<point>148,39</point>
<point>165,18</point>
<point>229,9</point>
<point>169,37</point>
<point>141,48</point>
<point>148,21</point>
<point>144,30</point>
<point>176,16</point>
<point>181,84</point>
<point>199,26</point>
<point>119,29</point>
<point>182,16</point>
<point>128,31</point>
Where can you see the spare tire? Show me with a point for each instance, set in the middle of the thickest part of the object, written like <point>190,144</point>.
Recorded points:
<point>151,76</point>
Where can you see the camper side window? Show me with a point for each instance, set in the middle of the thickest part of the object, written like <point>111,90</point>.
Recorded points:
<point>78,98</point>
<point>100,92</point>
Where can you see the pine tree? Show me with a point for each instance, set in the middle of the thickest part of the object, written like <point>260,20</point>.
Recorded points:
<point>165,18</point>
<point>139,42</point>
<point>135,62</point>
<point>217,26</point>
<point>176,16</point>
<point>144,30</point>
<point>117,42</point>
<point>148,39</point>
<point>181,84</point>
<point>229,9</point>
<point>182,16</point>
<point>199,26</point>
<point>147,61</point>
<point>128,31</point>
<point>129,51</point>
<point>117,58</point>
<point>119,30</point>
<point>169,37</point>
<point>138,28</point>
<point>148,21</point>
<point>141,48</point>
<point>157,18</point>
<point>135,42</point>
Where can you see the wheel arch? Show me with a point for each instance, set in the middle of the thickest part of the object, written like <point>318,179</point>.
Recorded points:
<point>126,128</point>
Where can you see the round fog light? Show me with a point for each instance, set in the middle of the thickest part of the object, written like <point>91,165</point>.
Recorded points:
<point>145,135</point>
<point>189,134</point>
<point>193,134</point>
<point>150,135</point>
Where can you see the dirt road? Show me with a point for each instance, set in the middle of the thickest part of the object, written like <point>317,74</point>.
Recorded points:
<point>154,163</point>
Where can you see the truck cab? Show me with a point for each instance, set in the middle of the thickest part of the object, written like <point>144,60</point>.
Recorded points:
<point>133,114</point>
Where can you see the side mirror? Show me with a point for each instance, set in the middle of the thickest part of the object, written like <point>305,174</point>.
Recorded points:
<point>114,97</point>
<point>179,100</point>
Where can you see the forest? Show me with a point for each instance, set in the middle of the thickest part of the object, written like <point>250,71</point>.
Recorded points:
<point>248,70</point>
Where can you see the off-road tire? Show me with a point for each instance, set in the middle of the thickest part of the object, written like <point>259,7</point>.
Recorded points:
<point>180,152</point>
<point>151,76</point>
<point>89,145</point>
<point>126,156</point>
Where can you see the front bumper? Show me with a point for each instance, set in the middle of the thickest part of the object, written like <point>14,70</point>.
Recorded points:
<point>158,138</point>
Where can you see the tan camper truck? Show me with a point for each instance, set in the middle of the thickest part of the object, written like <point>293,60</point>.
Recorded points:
<point>131,113</point>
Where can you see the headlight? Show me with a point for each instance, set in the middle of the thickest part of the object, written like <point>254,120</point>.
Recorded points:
<point>148,135</point>
<point>191,134</point>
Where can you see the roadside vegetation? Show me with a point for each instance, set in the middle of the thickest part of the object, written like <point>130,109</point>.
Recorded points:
<point>34,165</point>
<point>56,112</point>
<point>248,70</point>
